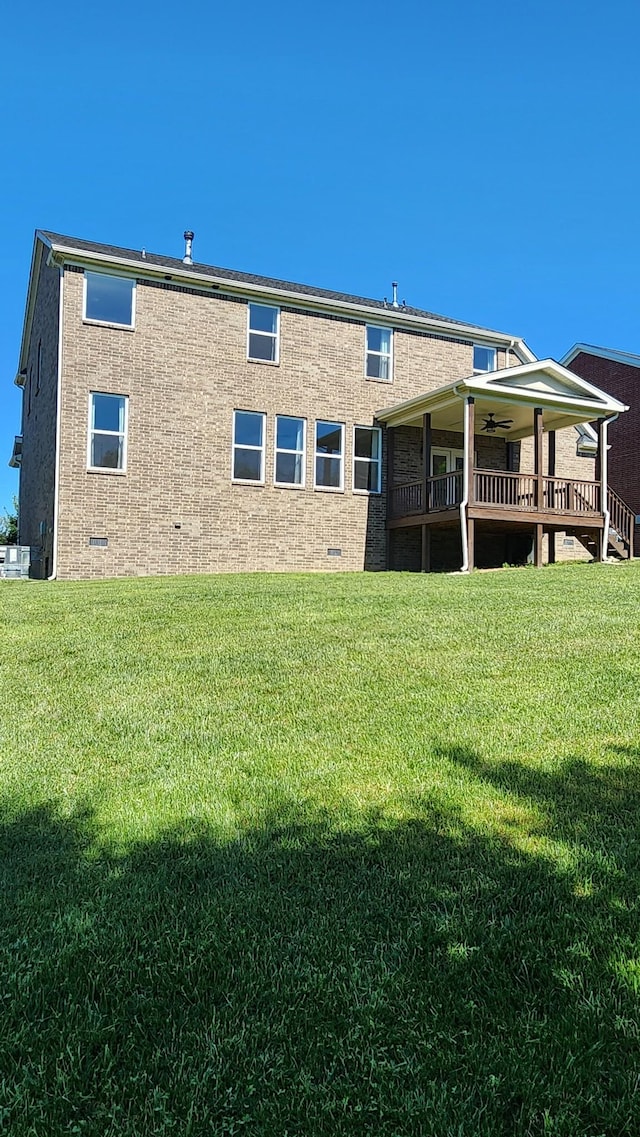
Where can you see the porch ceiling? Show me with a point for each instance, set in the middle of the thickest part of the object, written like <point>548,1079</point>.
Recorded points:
<point>511,393</point>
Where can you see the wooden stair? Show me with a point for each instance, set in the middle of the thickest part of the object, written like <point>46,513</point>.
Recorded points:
<point>621,526</point>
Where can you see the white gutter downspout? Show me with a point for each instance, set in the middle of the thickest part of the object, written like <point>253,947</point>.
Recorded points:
<point>56,484</point>
<point>604,482</point>
<point>465,488</point>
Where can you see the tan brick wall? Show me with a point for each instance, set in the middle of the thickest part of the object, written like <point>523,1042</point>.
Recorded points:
<point>184,369</point>
<point>569,464</point>
<point>37,474</point>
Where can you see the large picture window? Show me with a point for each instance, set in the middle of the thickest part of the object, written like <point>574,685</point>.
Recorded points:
<point>109,299</point>
<point>107,431</point>
<point>248,446</point>
<point>290,439</point>
<point>263,334</point>
<point>329,455</point>
<point>367,459</point>
<point>379,353</point>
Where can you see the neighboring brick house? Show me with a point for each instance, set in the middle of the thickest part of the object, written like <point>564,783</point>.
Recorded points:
<point>179,417</point>
<point>618,373</point>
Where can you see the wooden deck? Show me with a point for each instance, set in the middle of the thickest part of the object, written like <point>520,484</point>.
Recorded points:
<point>501,496</point>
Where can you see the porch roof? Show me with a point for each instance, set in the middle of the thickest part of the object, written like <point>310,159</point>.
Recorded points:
<point>511,393</point>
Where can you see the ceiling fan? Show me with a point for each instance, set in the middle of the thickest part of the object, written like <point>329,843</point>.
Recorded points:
<point>490,424</point>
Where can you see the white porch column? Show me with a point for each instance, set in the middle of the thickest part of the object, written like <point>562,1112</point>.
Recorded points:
<point>467,526</point>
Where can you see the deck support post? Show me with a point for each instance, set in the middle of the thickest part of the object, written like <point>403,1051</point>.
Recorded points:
<point>604,487</point>
<point>426,549</point>
<point>390,435</point>
<point>537,545</point>
<point>551,468</point>
<point>426,461</point>
<point>471,543</point>
<point>538,427</point>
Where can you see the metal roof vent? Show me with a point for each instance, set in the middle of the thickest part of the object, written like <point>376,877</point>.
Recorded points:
<point>188,236</point>
<point>394,302</point>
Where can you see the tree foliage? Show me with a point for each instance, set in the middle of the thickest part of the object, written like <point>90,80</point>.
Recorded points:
<point>9,526</point>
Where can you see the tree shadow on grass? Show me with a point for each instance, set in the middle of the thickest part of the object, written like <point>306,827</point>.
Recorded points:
<point>404,978</point>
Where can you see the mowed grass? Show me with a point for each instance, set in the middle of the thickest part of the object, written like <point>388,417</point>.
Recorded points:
<point>321,855</point>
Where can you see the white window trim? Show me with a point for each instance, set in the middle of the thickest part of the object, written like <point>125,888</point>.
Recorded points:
<point>486,347</point>
<point>245,446</point>
<point>371,461</point>
<point>381,354</point>
<point>271,335</point>
<point>109,323</point>
<point>333,457</point>
<point>283,450</point>
<point>114,433</point>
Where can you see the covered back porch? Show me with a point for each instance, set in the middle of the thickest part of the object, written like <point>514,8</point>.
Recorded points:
<point>464,441</point>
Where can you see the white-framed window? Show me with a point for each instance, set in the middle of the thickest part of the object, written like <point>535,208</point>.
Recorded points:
<point>290,451</point>
<point>263,333</point>
<point>379,353</point>
<point>108,421</point>
<point>248,447</point>
<point>329,455</point>
<point>109,299</point>
<point>367,459</point>
<point>484,358</point>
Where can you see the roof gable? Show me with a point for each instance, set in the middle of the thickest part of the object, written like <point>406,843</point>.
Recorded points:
<point>545,377</point>
<point>611,353</point>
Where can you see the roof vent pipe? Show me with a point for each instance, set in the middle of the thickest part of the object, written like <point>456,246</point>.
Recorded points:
<point>188,236</point>
<point>394,302</point>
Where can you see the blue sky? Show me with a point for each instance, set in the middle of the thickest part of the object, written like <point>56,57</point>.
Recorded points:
<point>484,155</point>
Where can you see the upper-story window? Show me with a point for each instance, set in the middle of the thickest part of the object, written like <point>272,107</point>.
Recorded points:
<point>263,333</point>
<point>484,358</point>
<point>107,432</point>
<point>379,353</point>
<point>109,299</point>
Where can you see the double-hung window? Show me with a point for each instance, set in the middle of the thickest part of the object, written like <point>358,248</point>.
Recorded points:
<point>107,448</point>
<point>263,333</point>
<point>290,451</point>
<point>484,358</point>
<point>248,447</point>
<point>109,299</point>
<point>379,353</point>
<point>329,455</point>
<point>367,459</point>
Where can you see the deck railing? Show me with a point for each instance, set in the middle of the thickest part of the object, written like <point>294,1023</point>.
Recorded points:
<point>505,490</point>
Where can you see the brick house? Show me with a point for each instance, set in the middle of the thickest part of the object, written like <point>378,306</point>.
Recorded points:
<point>618,373</point>
<point>179,417</point>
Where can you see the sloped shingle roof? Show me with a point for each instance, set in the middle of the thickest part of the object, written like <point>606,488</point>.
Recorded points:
<point>172,264</point>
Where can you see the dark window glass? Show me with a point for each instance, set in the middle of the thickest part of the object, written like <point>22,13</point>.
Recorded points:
<point>109,299</point>
<point>247,464</point>
<point>106,451</point>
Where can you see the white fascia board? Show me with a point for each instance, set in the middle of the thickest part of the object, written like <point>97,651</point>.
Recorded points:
<point>601,353</point>
<point>420,404</point>
<point>392,317</point>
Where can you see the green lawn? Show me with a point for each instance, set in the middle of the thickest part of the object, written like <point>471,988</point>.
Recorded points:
<point>321,855</point>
